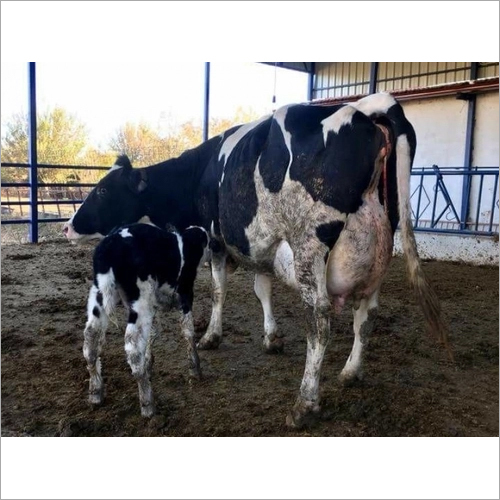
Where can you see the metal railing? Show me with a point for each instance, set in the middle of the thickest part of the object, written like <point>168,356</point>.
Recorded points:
<point>19,207</point>
<point>436,194</point>
<point>438,197</point>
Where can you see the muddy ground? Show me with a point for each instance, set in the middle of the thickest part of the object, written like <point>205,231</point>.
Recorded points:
<point>409,389</point>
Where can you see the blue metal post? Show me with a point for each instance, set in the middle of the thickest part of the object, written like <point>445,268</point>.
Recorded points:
<point>478,208</point>
<point>493,202</point>
<point>469,143</point>
<point>420,187</point>
<point>373,78</point>
<point>32,153</point>
<point>206,103</point>
<point>310,83</point>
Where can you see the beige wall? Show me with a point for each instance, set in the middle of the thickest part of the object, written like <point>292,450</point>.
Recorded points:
<point>440,125</point>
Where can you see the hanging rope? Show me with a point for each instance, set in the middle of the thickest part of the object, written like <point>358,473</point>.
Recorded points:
<point>274,88</point>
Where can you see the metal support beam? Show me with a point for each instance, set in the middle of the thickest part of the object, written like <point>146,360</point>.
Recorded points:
<point>469,147</point>
<point>372,88</point>
<point>310,83</point>
<point>206,103</point>
<point>32,153</point>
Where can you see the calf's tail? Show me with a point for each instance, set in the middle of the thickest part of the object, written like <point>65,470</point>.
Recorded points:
<point>107,287</point>
<point>425,294</point>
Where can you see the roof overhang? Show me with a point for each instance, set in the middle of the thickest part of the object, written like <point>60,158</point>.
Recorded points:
<point>304,67</point>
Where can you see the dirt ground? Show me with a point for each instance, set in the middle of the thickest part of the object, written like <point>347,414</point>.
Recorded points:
<point>409,389</point>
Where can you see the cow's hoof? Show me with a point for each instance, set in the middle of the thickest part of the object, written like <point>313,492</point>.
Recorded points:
<point>206,344</point>
<point>148,410</point>
<point>350,378</point>
<point>273,345</point>
<point>303,414</point>
<point>96,398</point>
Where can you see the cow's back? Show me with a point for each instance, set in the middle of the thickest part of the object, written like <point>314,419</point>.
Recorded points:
<point>305,160</point>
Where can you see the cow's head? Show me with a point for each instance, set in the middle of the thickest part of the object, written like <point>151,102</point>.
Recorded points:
<point>116,200</point>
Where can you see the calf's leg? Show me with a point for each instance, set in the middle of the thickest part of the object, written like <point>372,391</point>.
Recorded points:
<point>138,340</point>
<point>187,329</point>
<point>93,342</point>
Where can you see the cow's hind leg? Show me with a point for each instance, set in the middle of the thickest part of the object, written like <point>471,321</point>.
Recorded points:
<point>213,335</point>
<point>273,341</point>
<point>365,313</point>
<point>138,340</point>
<point>94,339</point>
<point>310,271</point>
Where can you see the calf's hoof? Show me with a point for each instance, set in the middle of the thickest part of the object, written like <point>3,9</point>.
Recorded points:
<point>302,414</point>
<point>148,410</point>
<point>195,374</point>
<point>96,397</point>
<point>207,343</point>
<point>273,344</point>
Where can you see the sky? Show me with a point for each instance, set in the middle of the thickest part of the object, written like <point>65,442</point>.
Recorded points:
<point>105,96</point>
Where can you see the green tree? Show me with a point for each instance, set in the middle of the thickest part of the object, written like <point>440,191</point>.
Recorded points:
<point>61,140</point>
<point>140,142</point>
<point>144,145</point>
<point>242,115</point>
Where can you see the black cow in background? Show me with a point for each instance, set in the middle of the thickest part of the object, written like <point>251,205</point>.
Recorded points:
<point>312,194</point>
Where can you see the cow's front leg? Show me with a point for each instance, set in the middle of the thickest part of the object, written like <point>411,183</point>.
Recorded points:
<point>365,313</point>
<point>273,341</point>
<point>213,335</point>
<point>311,278</point>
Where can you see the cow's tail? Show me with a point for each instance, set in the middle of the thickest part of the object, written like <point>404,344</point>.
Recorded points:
<point>426,296</point>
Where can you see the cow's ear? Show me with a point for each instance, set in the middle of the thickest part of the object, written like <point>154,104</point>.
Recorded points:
<point>124,162</point>
<point>138,180</point>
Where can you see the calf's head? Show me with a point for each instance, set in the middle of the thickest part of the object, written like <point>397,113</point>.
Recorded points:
<point>116,200</point>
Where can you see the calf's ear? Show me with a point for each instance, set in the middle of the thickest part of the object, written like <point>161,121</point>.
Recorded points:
<point>138,180</point>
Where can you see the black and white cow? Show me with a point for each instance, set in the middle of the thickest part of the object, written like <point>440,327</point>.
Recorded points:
<point>312,194</point>
<point>145,266</point>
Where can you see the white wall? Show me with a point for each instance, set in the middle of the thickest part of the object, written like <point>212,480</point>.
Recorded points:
<point>486,153</point>
<point>440,125</point>
<point>449,247</point>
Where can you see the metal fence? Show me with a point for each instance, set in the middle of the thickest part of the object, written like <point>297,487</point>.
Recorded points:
<point>54,202</point>
<point>454,200</point>
<point>444,200</point>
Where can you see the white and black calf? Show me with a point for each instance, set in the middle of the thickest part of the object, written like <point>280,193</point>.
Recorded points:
<point>145,267</point>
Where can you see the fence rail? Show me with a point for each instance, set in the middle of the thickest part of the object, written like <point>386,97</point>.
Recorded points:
<point>437,197</point>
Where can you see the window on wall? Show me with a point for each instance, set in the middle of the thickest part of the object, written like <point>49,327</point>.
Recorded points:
<point>242,92</point>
